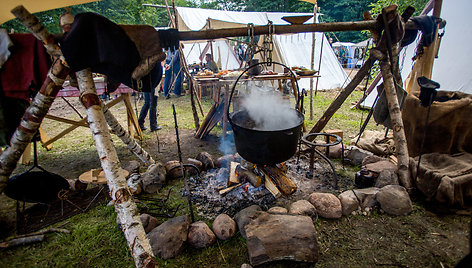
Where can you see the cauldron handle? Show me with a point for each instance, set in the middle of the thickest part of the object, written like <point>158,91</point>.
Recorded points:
<point>254,65</point>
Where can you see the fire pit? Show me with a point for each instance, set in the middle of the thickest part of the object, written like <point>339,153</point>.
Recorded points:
<point>210,199</point>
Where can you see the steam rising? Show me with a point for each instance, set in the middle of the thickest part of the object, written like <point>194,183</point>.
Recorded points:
<point>269,110</point>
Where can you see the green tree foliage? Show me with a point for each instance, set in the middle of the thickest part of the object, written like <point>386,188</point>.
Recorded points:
<point>376,7</point>
<point>118,11</point>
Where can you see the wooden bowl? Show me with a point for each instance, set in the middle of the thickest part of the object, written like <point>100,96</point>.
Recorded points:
<point>297,19</point>
<point>306,73</point>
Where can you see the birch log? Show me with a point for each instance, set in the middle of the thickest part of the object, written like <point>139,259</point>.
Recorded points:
<point>125,207</point>
<point>125,137</point>
<point>399,137</point>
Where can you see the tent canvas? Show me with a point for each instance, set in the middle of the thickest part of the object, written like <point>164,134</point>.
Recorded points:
<point>451,69</point>
<point>223,53</point>
<point>291,50</point>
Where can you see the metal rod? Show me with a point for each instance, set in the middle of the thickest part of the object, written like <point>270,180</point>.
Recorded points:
<point>189,199</point>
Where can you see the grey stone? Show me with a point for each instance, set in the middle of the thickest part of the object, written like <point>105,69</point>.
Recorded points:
<point>224,161</point>
<point>367,197</point>
<point>379,166</point>
<point>302,207</point>
<point>394,200</point>
<point>149,222</point>
<point>355,155</point>
<point>335,151</point>
<point>131,166</point>
<point>349,202</point>
<point>245,265</point>
<point>352,200</point>
<point>243,217</point>
<point>386,177</point>
<point>206,159</point>
<point>224,227</point>
<point>277,210</point>
<point>274,237</point>
<point>327,205</point>
<point>154,178</point>
<point>135,184</point>
<point>168,239</point>
<point>200,235</point>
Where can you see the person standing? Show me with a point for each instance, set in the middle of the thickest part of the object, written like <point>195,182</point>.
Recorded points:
<point>172,71</point>
<point>150,104</point>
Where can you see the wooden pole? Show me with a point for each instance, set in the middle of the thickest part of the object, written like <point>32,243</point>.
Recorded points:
<point>399,137</point>
<point>285,29</point>
<point>342,96</point>
<point>41,103</point>
<point>126,138</point>
<point>312,61</point>
<point>125,207</point>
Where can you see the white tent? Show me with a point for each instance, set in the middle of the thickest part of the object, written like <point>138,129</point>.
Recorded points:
<point>224,54</point>
<point>291,50</point>
<point>451,69</point>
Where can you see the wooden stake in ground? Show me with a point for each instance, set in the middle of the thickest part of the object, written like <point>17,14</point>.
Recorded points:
<point>125,207</point>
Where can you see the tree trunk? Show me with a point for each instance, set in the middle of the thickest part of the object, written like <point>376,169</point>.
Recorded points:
<point>397,124</point>
<point>126,137</point>
<point>31,120</point>
<point>336,104</point>
<point>125,207</point>
<point>41,103</point>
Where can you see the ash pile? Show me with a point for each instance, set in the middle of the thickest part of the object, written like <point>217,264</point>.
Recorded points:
<point>231,184</point>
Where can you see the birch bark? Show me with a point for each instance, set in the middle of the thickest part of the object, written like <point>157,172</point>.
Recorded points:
<point>125,207</point>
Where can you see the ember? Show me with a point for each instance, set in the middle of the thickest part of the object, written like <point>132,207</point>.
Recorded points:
<point>213,193</point>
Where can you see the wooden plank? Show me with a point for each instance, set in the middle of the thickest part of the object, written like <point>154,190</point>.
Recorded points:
<point>71,128</point>
<point>67,121</point>
<point>270,186</point>
<point>132,116</point>
<point>44,138</point>
<point>233,177</point>
<point>229,189</point>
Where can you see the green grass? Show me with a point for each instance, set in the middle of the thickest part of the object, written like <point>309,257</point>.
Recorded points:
<point>353,241</point>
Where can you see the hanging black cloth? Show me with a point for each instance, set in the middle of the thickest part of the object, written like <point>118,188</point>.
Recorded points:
<point>427,25</point>
<point>97,43</point>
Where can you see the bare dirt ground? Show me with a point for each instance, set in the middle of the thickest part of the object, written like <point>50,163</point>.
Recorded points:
<point>428,237</point>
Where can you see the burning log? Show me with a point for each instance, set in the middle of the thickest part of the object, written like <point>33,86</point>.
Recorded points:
<point>282,181</point>
<point>247,175</point>
<point>233,176</point>
<point>269,185</point>
<point>229,189</point>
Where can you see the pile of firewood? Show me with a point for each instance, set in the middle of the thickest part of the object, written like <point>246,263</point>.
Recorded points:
<point>274,179</point>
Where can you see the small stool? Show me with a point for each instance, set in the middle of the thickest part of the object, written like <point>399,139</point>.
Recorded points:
<point>313,146</point>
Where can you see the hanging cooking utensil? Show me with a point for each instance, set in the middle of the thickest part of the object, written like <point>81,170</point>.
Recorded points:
<point>264,146</point>
<point>38,186</point>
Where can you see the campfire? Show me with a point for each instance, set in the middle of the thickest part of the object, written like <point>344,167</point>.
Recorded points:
<point>236,184</point>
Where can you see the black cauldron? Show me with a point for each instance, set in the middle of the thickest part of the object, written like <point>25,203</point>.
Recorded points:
<point>265,147</point>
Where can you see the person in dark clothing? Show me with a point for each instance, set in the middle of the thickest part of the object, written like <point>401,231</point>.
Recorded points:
<point>172,71</point>
<point>150,104</point>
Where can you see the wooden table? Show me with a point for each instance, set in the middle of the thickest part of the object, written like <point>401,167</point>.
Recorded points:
<point>69,91</point>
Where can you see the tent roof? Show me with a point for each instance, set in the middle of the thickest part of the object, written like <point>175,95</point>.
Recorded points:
<point>289,49</point>
<point>34,6</point>
<point>195,19</point>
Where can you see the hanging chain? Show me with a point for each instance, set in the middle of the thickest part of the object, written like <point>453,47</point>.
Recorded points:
<point>252,45</point>
<point>268,44</point>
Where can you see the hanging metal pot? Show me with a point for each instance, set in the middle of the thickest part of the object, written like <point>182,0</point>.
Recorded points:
<point>265,147</point>
<point>39,186</point>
